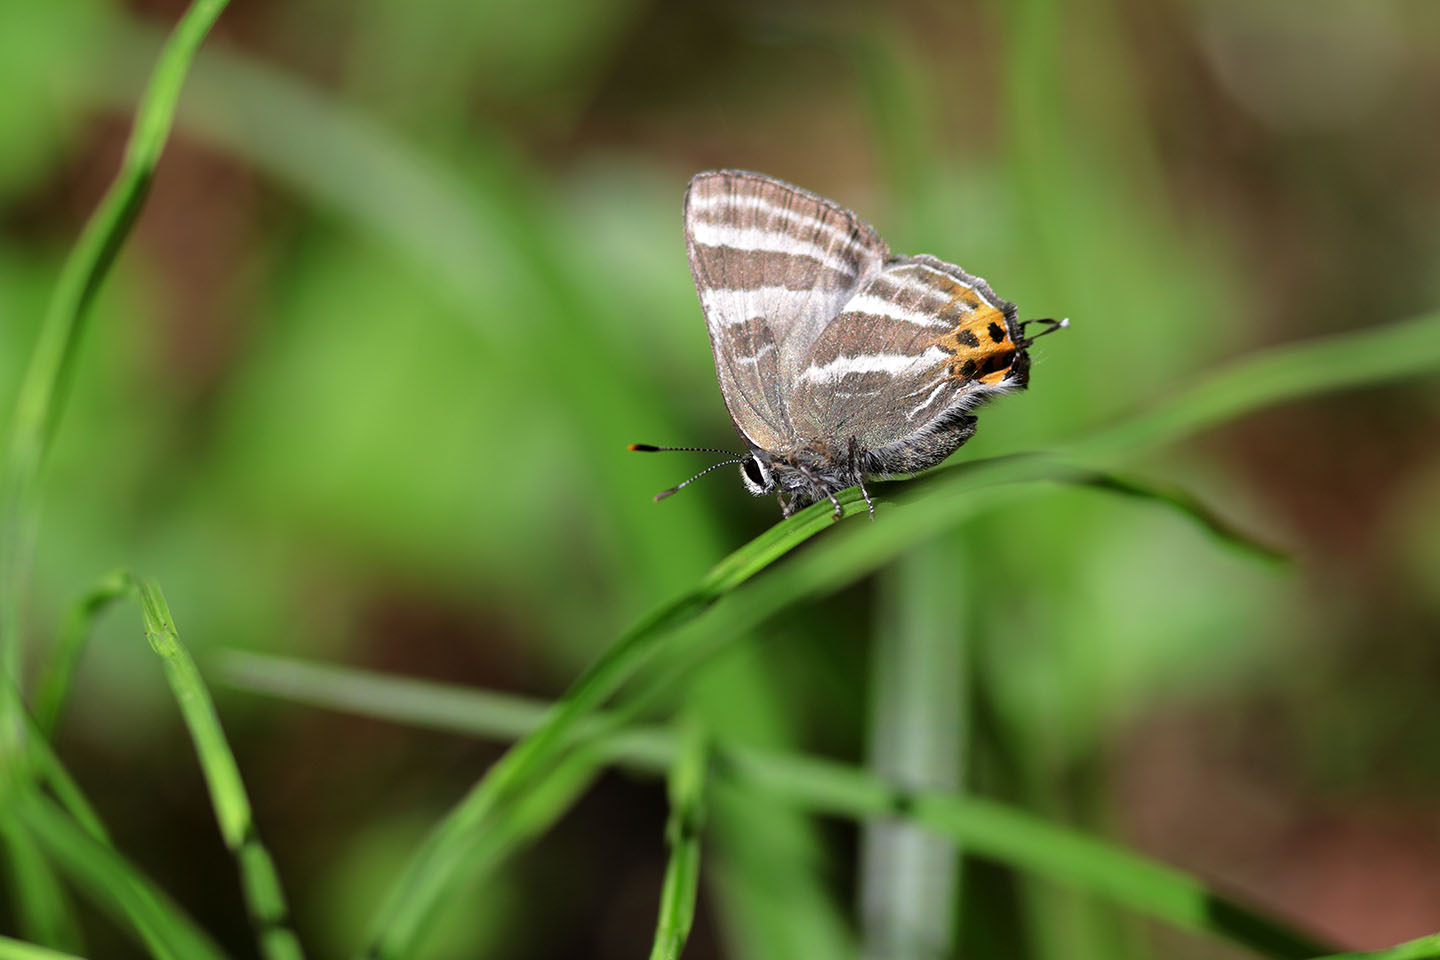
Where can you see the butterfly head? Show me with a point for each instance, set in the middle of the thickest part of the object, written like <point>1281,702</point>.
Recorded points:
<point>755,474</point>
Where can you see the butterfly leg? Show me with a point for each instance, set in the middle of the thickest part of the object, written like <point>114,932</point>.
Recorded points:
<point>821,490</point>
<point>818,490</point>
<point>855,472</point>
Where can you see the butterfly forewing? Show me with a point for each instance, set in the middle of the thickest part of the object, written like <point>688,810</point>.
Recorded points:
<point>920,342</point>
<point>773,265</point>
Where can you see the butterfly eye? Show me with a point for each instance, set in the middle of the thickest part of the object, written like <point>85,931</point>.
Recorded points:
<point>756,476</point>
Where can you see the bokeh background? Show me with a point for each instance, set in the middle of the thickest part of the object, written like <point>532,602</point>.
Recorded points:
<point>411,276</point>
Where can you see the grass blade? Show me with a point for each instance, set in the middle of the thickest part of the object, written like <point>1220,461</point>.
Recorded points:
<point>44,386</point>
<point>434,866</point>
<point>20,950</point>
<point>916,735</point>
<point>264,896</point>
<point>985,828</point>
<point>53,688</point>
<point>47,769</point>
<point>509,829</point>
<point>432,869</point>
<point>1186,503</point>
<point>996,832</point>
<point>112,882</point>
<point>42,909</point>
<point>682,836</point>
<point>1425,948</point>
<point>1384,353</point>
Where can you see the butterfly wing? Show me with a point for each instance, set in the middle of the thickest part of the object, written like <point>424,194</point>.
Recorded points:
<point>918,346</point>
<point>773,264</point>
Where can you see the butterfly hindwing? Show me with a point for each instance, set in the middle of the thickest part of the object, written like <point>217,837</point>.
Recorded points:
<point>773,265</point>
<point>920,344</point>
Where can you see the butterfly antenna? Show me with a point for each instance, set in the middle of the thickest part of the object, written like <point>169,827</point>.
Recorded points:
<point>650,448</point>
<point>679,486</point>
<point>1050,327</point>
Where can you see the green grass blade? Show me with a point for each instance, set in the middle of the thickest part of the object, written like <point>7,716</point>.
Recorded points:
<point>116,886</point>
<point>1184,502</point>
<point>264,896</point>
<point>996,832</point>
<point>507,829</point>
<point>42,909</point>
<point>983,827</point>
<point>1380,354</point>
<point>917,735</point>
<point>1425,948</point>
<point>44,386</point>
<point>20,950</point>
<point>53,688</point>
<point>48,770</point>
<point>434,867</point>
<point>682,836</point>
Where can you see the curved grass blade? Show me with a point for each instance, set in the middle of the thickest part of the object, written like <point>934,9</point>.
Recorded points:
<point>507,830</point>
<point>20,950</point>
<point>264,896</point>
<point>45,383</point>
<point>115,885</point>
<point>996,832</point>
<point>1425,948</point>
<point>43,911</point>
<point>1380,354</point>
<point>43,389</point>
<point>1184,502</point>
<point>47,769</point>
<point>433,866</point>
<point>682,836</point>
<point>151,925</point>
<point>53,688</point>
<point>982,827</point>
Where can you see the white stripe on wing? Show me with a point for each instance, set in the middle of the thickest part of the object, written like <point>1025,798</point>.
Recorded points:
<point>729,306</point>
<point>928,400</point>
<point>895,364</point>
<point>951,277</point>
<point>755,360</point>
<point>884,307</point>
<point>770,241</point>
<point>725,204</point>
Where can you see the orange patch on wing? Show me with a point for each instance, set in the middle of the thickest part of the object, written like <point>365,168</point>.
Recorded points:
<point>980,344</point>
<point>998,375</point>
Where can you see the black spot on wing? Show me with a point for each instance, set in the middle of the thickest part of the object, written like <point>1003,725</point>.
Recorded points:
<point>997,361</point>
<point>997,332</point>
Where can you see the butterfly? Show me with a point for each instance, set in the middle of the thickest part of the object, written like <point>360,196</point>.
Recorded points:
<point>838,360</point>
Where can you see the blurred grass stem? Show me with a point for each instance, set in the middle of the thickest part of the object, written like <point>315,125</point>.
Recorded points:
<point>908,877</point>
<point>680,889</point>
